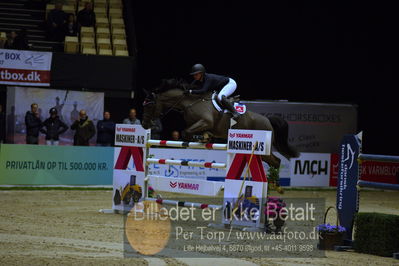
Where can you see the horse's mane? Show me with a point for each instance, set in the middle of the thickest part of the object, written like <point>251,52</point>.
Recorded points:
<point>173,83</point>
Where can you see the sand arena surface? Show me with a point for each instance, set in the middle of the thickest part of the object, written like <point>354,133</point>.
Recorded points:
<point>64,227</point>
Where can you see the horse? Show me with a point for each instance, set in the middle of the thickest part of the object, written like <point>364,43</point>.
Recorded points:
<point>201,117</point>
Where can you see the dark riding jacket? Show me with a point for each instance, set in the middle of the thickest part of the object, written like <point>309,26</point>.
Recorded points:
<point>210,82</point>
<point>33,124</point>
<point>53,128</point>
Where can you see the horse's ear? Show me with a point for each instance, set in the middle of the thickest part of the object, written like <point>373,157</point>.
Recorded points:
<point>146,92</point>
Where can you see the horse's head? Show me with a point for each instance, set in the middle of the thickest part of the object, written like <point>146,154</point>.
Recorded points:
<point>169,94</point>
<point>151,110</point>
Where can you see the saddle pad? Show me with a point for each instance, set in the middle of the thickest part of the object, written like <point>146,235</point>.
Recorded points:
<point>241,108</point>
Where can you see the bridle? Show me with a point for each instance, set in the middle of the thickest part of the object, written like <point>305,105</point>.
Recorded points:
<point>171,108</point>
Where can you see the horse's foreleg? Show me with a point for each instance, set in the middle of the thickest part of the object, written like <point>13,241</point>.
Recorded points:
<point>272,160</point>
<point>198,127</point>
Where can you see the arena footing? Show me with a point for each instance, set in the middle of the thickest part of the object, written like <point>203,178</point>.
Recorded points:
<point>111,211</point>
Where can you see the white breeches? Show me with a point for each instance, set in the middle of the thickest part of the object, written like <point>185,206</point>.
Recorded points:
<point>228,89</point>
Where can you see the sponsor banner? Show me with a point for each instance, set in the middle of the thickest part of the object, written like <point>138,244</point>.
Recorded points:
<point>131,135</point>
<point>243,141</point>
<point>384,172</point>
<point>68,103</point>
<point>334,165</point>
<point>185,185</point>
<point>28,68</point>
<point>310,170</point>
<point>55,165</point>
<point>313,127</point>
<point>347,193</point>
<point>128,189</point>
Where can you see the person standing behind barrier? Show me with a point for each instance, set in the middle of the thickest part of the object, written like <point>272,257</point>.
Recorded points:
<point>33,124</point>
<point>70,27</point>
<point>53,127</point>
<point>86,16</point>
<point>55,23</point>
<point>175,135</point>
<point>106,131</point>
<point>11,43</point>
<point>85,130</point>
<point>2,125</point>
<point>132,119</point>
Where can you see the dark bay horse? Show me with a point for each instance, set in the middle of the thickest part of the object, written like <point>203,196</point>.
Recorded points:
<point>201,117</point>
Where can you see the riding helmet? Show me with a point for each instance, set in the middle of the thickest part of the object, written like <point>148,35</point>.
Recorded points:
<point>197,68</point>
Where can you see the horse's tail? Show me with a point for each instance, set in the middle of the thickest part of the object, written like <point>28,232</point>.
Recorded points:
<point>280,142</point>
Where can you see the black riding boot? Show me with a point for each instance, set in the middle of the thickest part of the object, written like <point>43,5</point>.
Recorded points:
<point>229,106</point>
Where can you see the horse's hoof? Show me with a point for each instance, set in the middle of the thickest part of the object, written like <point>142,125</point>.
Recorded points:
<point>198,137</point>
<point>207,137</point>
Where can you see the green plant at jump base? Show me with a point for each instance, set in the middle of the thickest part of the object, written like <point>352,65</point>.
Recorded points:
<point>273,180</point>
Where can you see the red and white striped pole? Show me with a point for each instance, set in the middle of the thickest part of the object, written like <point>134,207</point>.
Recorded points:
<point>186,163</point>
<point>185,144</point>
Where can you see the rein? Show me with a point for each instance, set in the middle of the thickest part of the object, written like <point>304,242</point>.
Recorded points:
<point>186,107</point>
<point>171,108</point>
<point>197,101</point>
<point>184,87</point>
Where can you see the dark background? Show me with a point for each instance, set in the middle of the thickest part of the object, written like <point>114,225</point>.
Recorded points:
<point>308,51</point>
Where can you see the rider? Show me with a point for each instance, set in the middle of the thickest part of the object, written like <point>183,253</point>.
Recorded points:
<point>208,82</point>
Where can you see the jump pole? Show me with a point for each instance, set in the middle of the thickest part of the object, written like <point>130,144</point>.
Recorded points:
<point>184,144</point>
<point>186,163</point>
<point>181,144</point>
<point>378,158</point>
<point>362,183</point>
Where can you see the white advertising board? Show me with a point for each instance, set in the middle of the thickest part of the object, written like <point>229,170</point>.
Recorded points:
<point>131,135</point>
<point>243,141</point>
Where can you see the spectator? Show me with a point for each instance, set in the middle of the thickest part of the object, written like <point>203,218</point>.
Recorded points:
<point>55,23</point>
<point>21,42</point>
<point>156,129</point>
<point>10,125</point>
<point>175,135</point>
<point>33,124</point>
<point>132,119</point>
<point>86,16</point>
<point>70,27</point>
<point>85,130</point>
<point>106,131</point>
<point>2,40</point>
<point>2,125</point>
<point>54,127</point>
<point>10,42</point>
